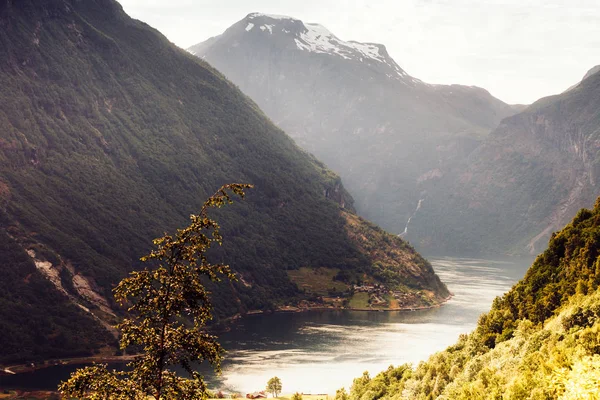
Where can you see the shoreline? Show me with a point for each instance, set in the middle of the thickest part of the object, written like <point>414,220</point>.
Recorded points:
<point>53,362</point>
<point>291,309</point>
<point>25,368</point>
<point>224,324</point>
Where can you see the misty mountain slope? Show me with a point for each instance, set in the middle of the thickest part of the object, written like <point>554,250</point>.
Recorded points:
<point>352,106</point>
<point>528,179</point>
<point>591,72</point>
<point>111,136</point>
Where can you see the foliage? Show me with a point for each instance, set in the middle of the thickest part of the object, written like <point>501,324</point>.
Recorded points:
<point>341,394</point>
<point>390,261</point>
<point>274,386</point>
<point>570,264</point>
<point>537,363</point>
<point>164,300</point>
<point>394,262</point>
<point>297,396</point>
<point>541,340</point>
<point>319,281</point>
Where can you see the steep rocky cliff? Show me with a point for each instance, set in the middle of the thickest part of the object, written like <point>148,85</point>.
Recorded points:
<point>527,179</point>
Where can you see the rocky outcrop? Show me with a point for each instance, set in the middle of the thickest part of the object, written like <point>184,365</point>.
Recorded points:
<point>81,291</point>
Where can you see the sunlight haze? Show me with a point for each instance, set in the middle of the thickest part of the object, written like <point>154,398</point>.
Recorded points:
<point>519,51</point>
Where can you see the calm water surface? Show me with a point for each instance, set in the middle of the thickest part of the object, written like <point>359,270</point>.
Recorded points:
<point>321,351</point>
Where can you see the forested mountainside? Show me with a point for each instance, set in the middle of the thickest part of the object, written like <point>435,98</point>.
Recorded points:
<point>541,340</point>
<point>528,179</point>
<point>110,136</point>
<point>349,103</point>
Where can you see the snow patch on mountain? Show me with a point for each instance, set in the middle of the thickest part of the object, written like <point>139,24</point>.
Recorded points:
<point>249,27</point>
<point>267,27</point>
<point>319,39</point>
<point>272,16</point>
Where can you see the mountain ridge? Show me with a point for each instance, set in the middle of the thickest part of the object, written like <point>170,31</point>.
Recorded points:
<point>591,71</point>
<point>527,179</point>
<point>381,129</point>
<point>313,38</point>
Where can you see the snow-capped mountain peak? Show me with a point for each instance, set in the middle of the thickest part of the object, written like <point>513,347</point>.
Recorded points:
<point>315,38</point>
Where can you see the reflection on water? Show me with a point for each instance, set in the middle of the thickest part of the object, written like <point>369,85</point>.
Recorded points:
<point>321,351</point>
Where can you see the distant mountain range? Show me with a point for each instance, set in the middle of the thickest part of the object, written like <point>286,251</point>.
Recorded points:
<point>349,103</point>
<point>111,136</point>
<point>450,167</point>
<point>527,179</point>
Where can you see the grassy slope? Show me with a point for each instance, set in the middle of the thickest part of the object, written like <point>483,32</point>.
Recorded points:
<point>395,262</point>
<point>392,262</point>
<point>539,341</point>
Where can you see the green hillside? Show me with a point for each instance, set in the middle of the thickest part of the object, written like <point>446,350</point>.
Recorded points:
<point>111,136</point>
<point>541,340</point>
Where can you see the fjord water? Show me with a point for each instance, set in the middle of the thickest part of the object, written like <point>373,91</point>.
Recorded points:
<point>321,351</point>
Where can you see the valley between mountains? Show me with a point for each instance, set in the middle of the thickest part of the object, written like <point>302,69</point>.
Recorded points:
<point>438,164</point>
<point>112,136</point>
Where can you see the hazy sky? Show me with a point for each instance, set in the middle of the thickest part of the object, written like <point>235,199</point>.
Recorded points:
<point>519,50</point>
